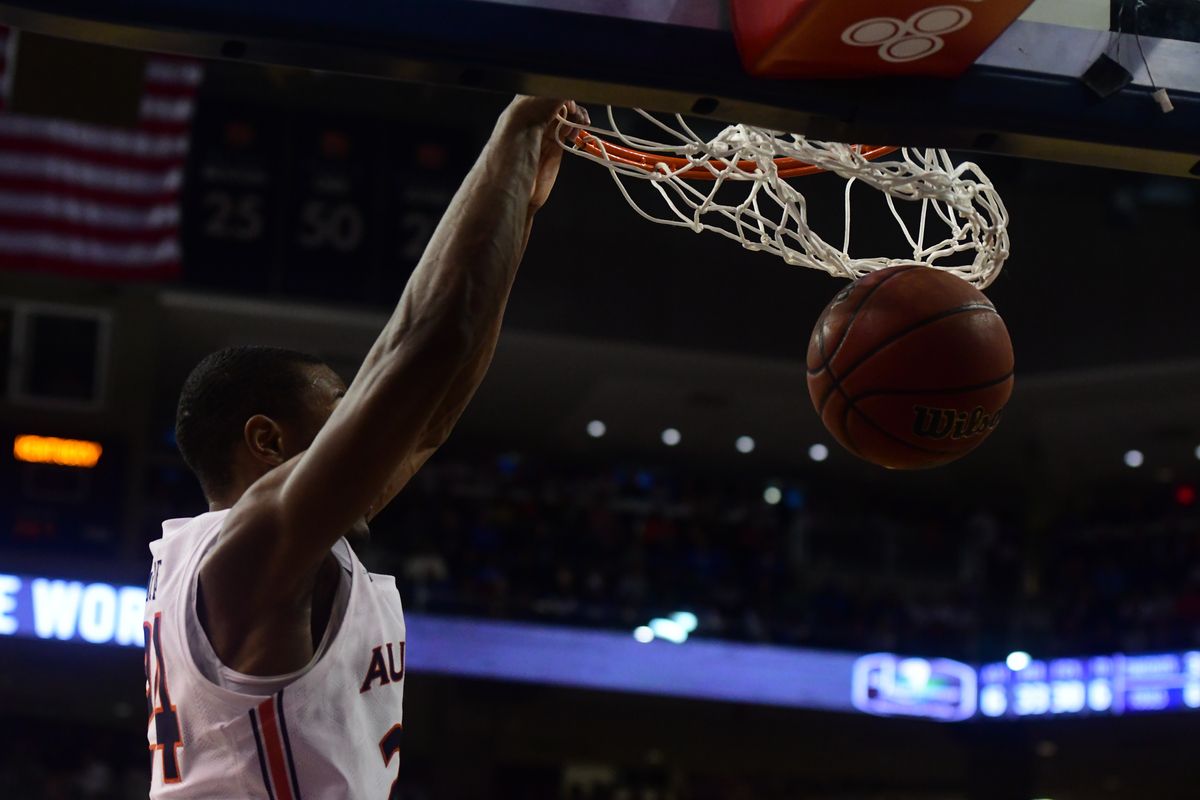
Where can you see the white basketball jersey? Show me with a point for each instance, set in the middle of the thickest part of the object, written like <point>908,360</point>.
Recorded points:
<point>332,732</point>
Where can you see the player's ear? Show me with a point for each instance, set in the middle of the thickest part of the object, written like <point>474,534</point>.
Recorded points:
<point>264,440</point>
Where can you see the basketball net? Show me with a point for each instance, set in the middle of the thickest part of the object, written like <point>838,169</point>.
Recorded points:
<point>960,213</point>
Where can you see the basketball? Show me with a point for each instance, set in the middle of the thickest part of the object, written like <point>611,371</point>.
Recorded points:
<point>910,367</point>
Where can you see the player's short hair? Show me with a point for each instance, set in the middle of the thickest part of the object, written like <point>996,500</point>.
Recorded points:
<point>223,391</point>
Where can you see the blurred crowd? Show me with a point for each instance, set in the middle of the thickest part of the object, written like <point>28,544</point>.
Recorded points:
<point>516,537</point>
<point>69,759</point>
<point>755,558</point>
<point>35,765</point>
<point>598,544</point>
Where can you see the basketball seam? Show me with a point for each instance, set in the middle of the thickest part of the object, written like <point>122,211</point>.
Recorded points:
<point>849,324</point>
<point>950,390</point>
<point>850,444</point>
<point>895,337</point>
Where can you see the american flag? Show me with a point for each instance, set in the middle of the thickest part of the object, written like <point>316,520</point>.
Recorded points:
<point>93,200</point>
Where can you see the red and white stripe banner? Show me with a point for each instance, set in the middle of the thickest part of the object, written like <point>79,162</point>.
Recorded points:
<point>92,200</point>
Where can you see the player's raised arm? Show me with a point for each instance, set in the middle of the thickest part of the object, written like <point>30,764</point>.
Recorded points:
<point>412,387</point>
<point>463,387</point>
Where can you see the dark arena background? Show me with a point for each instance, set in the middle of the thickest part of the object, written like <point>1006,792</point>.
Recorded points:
<point>640,569</point>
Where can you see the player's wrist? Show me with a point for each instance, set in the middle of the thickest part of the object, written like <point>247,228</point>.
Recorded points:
<point>531,112</point>
<point>525,121</point>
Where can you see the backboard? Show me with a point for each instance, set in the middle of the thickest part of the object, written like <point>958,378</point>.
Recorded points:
<point>1023,97</point>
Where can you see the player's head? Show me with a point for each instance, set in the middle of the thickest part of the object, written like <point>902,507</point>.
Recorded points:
<point>244,410</point>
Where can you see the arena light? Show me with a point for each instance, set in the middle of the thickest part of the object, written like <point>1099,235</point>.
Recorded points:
<point>772,495</point>
<point>1134,458</point>
<point>744,444</point>
<point>916,672</point>
<point>1046,749</point>
<point>668,629</point>
<point>596,429</point>
<point>52,450</point>
<point>671,437</point>
<point>818,452</point>
<point>1017,660</point>
<point>687,620</point>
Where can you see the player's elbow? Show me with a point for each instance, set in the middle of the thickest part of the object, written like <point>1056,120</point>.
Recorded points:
<point>438,432</point>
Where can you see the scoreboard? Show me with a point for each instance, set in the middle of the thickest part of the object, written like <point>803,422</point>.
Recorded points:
<point>1110,685</point>
<point>1105,684</point>
<point>305,204</point>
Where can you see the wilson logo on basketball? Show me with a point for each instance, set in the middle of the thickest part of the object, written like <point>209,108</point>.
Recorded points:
<point>940,423</point>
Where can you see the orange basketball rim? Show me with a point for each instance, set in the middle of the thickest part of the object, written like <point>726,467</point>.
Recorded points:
<point>686,168</point>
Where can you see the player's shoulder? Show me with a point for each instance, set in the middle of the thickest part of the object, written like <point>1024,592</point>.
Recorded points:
<point>187,532</point>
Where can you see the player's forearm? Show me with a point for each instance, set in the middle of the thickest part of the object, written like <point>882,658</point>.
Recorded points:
<point>461,390</point>
<point>457,294</point>
<point>478,361</point>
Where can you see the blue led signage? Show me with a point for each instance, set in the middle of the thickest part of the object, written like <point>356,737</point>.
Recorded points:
<point>879,683</point>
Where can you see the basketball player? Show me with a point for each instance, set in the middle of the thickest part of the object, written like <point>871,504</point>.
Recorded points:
<point>274,660</point>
